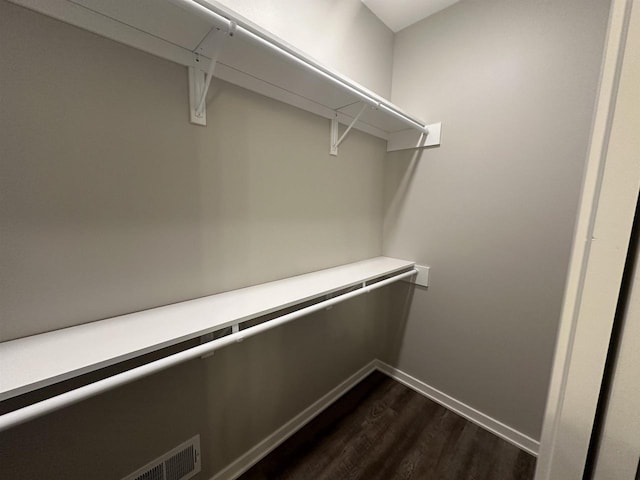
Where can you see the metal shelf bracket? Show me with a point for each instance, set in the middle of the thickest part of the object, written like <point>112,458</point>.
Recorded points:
<point>200,80</point>
<point>335,141</point>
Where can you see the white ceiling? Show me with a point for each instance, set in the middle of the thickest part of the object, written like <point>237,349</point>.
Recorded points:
<point>398,14</point>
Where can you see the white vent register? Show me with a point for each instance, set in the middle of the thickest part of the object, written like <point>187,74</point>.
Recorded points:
<point>180,463</point>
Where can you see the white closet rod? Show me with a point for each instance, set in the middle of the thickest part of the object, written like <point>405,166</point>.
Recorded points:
<point>57,402</point>
<point>208,11</point>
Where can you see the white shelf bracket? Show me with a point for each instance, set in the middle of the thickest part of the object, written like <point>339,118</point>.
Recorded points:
<point>421,277</point>
<point>335,141</point>
<point>199,80</point>
<point>414,138</point>
<point>333,138</point>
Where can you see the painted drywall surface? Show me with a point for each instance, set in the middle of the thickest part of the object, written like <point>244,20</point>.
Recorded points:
<point>111,435</point>
<point>343,35</point>
<point>492,209</point>
<point>112,202</point>
<point>107,186</point>
<point>399,15</point>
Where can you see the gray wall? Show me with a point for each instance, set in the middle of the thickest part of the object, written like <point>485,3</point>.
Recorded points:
<point>111,202</point>
<point>492,209</point>
<point>106,185</point>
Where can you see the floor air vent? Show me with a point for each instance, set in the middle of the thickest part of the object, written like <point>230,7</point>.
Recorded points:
<point>180,463</point>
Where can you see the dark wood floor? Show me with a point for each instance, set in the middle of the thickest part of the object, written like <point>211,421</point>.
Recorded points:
<point>386,431</point>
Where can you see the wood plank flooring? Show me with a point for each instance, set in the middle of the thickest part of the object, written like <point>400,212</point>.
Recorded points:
<point>382,430</point>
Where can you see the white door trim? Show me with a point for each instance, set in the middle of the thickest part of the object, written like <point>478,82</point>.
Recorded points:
<point>605,217</point>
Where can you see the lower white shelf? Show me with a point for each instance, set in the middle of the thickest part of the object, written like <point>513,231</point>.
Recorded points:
<point>34,362</point>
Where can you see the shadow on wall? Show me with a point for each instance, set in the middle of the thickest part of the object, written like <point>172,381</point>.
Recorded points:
<point>398,183</point>
<point>399,299</point>
<point>399,296</point>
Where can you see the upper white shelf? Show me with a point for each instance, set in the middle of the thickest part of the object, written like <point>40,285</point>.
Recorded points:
<point>29,363</point>
<point>184,31</point>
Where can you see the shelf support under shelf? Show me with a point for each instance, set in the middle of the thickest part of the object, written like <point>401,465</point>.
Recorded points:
<point>414,138</point>
<point>335,141</point>
<point>199,80</point>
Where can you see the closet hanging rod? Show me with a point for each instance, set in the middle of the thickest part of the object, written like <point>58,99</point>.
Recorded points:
<point>212,13</point>
<point>57,402</point>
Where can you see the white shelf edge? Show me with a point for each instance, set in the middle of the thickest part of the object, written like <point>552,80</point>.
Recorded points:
<point>242,21</point>
<point>38,361</point>
<point>116,30</point>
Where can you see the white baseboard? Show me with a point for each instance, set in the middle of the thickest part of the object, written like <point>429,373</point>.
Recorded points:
<point>262,449</point>
<point>503,431</point>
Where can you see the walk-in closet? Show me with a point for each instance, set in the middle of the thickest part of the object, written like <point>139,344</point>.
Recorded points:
<point>355,239</point>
